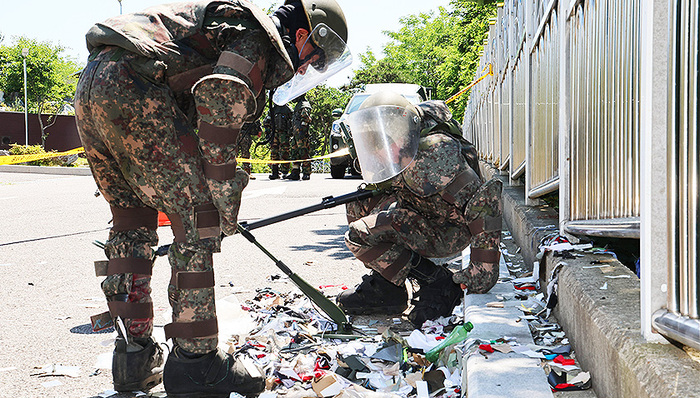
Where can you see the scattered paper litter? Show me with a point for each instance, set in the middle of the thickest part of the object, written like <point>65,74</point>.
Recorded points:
<point>504,348</point>
<point>605,286</point>
<point>617,276</point>
<point>582,378</point>
<point>52,383</point>
<point>104,361</point>
<point>422,389</point>
<point>57,370</point>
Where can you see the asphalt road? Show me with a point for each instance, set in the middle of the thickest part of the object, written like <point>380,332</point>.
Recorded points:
<point>48,289</point>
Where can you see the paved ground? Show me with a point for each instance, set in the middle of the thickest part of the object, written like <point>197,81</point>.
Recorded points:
<point>49,290</point>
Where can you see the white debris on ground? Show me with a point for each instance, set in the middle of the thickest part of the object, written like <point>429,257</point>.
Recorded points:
<point>286,335</point>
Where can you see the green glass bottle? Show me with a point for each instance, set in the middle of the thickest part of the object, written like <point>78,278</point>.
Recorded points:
<point>457,335</point>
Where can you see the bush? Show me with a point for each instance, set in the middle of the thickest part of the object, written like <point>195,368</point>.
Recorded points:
<point>17,149</point>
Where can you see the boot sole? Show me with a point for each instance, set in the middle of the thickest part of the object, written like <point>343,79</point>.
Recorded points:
<point>144,385</point>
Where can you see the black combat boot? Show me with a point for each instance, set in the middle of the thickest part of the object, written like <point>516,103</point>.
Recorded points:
<point>293,175</point>
<point>211,375</point>
<point>374,295</point>
<point>275,175</point>
<point>438,294</point>
<point>138,365</point>
<point>306,176</point>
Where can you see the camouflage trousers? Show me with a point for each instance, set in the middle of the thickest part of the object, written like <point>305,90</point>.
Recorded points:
<point>243,147</point>
<point>301,149</point>
<point>384,236</point>
<point>281,149</point>
<point>145,154</point>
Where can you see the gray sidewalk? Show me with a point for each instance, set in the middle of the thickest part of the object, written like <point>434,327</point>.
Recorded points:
<point>75,171</point>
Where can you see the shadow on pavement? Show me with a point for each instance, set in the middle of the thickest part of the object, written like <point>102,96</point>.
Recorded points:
<point>335,243</point>
<point>87,329</point>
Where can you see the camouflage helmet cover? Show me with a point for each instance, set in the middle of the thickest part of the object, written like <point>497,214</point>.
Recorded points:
<point>387,97</point>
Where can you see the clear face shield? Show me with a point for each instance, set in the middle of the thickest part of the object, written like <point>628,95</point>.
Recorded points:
<point>329,56</point>
<point>386,140</point>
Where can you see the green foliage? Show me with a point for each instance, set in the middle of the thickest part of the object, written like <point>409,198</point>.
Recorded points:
<point>17,149</point>
<point>323,100</point>
<point>51,77</point>
<point>434,50</point>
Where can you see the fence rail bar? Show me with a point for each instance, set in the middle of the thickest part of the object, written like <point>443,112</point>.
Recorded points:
<point>676,327</point>
<point>614,227</point>
<point>545,188</point>
<point>545,20</point>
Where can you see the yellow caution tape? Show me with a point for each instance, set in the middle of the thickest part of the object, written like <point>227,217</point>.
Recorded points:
<point>13,159</point>
<point>464,90</point>
<point>338,153</point>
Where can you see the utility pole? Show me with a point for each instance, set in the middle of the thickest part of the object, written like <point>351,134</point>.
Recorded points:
<point>120,7</point>
<point>25,52</point>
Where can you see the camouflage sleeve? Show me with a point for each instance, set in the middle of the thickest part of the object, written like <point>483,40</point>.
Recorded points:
<point>230,96</point>
<point>225,100</point>
<point>484,214</point>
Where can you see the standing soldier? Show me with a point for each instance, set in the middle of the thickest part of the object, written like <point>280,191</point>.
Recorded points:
<point>301,148</point>
<point>434,205</point>
<point>159,107</point>
<point>245,140</point>
<point>280,146</point>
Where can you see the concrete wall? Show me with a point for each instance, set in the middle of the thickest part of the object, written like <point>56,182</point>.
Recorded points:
<point>63,135</point>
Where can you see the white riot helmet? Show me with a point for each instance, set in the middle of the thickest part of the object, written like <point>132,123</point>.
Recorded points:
<point>386,132</point>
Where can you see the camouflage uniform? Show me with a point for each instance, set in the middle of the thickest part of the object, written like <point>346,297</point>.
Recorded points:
<point>245,140</point>
<point>280,147</point>
<point>435,208</point>
<point>301,148</point>
<point>159,107</point>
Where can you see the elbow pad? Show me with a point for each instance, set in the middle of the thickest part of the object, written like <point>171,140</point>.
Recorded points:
<point>223,100</point>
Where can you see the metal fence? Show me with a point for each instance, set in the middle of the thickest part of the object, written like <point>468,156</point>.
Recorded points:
<point>591,48</point>
<point>604,133</point>
<point>564,110</point>
<point>679,319</point>
<point>543,176</point>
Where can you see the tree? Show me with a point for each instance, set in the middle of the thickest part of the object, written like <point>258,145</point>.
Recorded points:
<point>51,78</point>
<point>323,100</point>
<point>434,50</point>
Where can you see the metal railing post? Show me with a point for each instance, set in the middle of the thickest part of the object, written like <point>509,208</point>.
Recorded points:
<point>527,65</point>
<point>653,162</point>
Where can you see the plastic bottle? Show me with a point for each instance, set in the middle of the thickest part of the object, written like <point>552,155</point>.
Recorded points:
<point>457,335</point>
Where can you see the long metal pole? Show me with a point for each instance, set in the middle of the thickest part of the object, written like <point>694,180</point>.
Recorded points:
<point>26,124</point>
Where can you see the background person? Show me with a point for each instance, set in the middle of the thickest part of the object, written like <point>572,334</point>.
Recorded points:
<point>301,147</point>
<point>280,145</point>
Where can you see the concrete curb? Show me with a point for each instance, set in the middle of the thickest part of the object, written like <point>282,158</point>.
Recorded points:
<point>602,325</point>
<point>74,171</point>
<point>501,375</point>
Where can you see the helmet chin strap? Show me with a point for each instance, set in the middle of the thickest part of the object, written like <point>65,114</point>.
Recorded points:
<point>288,42</point>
